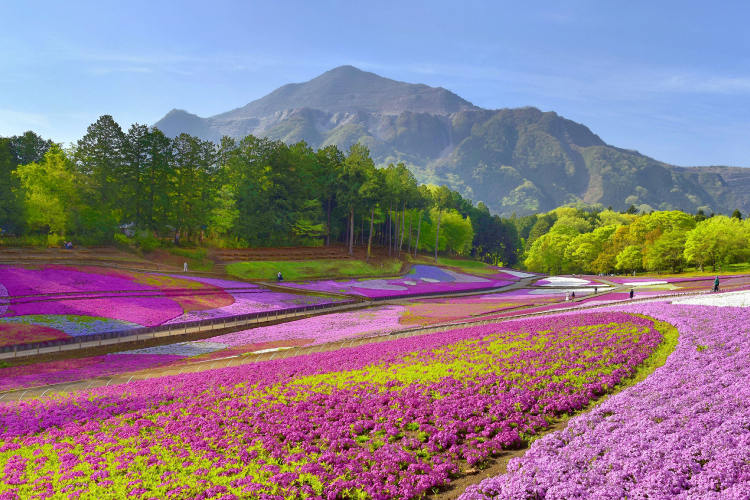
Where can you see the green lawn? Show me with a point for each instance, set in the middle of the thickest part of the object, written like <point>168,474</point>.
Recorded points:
<point>474,267</point>
<point>300,270</point>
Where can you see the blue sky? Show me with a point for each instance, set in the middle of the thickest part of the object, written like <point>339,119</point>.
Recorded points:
<point>669,79</point>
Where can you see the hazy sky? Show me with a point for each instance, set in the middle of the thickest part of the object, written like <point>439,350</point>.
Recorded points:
<point>670,79</point>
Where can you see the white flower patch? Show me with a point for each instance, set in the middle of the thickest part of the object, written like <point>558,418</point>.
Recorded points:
<point>378,285</point>
<point>730,299</point>
<point>274,349</point>
<point>464,278</point>
<point>186,349</point>
<point>517,274</point>
<point>562,281</point>
<point>410,283</point>
<point>644,283</point>
<point>430,280</point>
<point>558,291</point>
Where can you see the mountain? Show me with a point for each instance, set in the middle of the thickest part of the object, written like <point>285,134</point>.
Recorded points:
<point>518,160</point>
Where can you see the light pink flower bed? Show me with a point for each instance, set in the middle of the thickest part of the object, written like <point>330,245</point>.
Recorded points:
<point>327,328</point>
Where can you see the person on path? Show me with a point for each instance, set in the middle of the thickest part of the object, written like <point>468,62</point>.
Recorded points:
<point>573,296</point>
<point>184,267</point>
<point>567,296</point>
<point>596,289</point>
<point>278,277</point>
<point>716,284</point>
<point>631,293</point>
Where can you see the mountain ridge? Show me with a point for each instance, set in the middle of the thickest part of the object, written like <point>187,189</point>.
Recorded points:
<point>520,160</point>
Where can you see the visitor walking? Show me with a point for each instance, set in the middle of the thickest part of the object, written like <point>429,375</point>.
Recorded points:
<point>716,284</point>
<point>279,277</point>
<point>631,293</point>
<point>567,296</point>
<point>596,290</point>
<point>573,296</point>
<point>184,267</point>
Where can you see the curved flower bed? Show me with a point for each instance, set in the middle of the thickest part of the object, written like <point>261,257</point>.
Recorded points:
<point>421,279</point>
<point>430,311</point>
<point>387,420</point>
<point>95,300</point>
<point>20,333</point>
<point>72,325</point>
<point>681,433</point>
<point>180,349</point>
<point>56,372</point>
<point>146,311</point>
<point>255,300</point>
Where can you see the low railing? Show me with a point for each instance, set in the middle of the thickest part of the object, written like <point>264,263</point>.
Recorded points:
<point>136,334</point>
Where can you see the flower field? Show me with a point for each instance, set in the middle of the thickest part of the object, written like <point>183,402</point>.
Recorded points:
<point>421,279</point>
<point>386,420</point>
<point>58,302</point>
<point>308,331</point>
<point>680,433</point>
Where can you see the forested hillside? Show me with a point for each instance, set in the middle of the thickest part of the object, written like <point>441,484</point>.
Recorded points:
<point>513,160</point>
<point>252,192</point>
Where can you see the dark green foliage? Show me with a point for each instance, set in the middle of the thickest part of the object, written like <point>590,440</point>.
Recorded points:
<point>11,212</point>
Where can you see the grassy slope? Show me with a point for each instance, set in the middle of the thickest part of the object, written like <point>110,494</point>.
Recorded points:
<point>298,270</point>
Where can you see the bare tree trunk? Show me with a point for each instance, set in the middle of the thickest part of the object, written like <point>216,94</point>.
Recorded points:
<point>328,229</point>
<point>437,234</point>
<point>390,218</point>
<point>403,224</point>
<point>419,228</point>
<point>351,232</point>
<point>395,230</point>
<point>369,240</point>
<point>411,216</point>
<point>363,230</point>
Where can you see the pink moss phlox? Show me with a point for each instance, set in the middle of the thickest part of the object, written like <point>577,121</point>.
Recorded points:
<point>681,433</point>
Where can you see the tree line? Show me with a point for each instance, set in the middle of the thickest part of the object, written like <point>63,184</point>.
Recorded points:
<point>251,192</point>
<point>580,240</point>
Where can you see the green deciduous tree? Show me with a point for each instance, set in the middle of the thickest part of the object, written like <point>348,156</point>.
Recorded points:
<point>52,189</point>
<point>630,259</point>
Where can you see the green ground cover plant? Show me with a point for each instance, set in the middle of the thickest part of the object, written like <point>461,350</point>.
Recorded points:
<point>296,270</point>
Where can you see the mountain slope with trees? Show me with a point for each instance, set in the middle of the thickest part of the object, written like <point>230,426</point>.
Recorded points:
<point>253,192</point>
<point>513,160</point>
